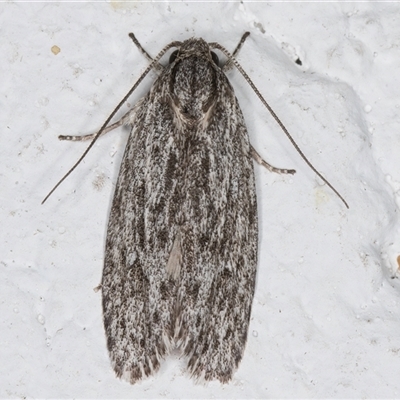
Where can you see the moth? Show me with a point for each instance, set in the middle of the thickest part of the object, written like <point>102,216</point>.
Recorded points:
<point>181,248</point>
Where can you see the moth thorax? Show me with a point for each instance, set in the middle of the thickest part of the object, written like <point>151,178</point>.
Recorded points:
<point>194,87</point>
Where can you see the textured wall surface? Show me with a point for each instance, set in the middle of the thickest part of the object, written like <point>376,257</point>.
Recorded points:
<point>326,313</point>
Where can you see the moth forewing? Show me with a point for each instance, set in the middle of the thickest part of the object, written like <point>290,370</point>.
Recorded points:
<point>185,205</point>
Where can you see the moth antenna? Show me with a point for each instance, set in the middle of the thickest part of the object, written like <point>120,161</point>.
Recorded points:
<point>257,92</point>
<point>157,66</point>
<point>229,63</point>
<point>240,44</point>
<point>148,69</point>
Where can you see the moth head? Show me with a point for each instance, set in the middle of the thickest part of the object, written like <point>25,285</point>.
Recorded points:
<point>181,54</point>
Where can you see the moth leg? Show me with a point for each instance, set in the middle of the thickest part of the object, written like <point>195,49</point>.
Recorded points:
<point>229,63</point>
<point>125,120</point>
<point>262,162</point>
<point>157,66</point>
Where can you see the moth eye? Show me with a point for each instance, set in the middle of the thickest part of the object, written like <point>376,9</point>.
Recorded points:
<point>173,56</point>
<point>215,58</point>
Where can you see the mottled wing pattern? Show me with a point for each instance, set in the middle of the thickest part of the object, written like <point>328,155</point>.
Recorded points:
<point>219,245</point>
<point>137,294</point>
<point>181,249</point>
